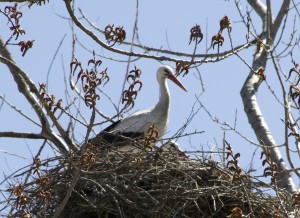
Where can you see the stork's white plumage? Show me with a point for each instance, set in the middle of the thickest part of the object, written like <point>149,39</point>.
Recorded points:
<point>172,148</point>
<point>138,124</point>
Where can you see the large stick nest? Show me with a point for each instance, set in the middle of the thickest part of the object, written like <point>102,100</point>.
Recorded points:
<point>97,183</point>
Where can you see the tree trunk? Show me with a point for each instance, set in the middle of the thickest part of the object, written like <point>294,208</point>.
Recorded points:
<point>257,121</point>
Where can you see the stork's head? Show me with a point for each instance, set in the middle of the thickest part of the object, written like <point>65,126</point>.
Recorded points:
<point>173,148</point>
<point>166,72</point>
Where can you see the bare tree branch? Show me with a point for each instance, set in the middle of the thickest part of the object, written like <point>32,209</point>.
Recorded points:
<point>259,8</point>
<point>19,111</point>
<point>27,87</point>
<point>281,14</point>
<point>22,135</point>
<point>131,53</point>
<point>252,109</point>
<point>19,1</point>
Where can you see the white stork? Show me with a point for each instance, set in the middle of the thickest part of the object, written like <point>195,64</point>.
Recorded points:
<point>172,148</point>
<point>138,124</point>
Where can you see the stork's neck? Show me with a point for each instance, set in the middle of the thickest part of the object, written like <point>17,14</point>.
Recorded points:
<point>162,107</point>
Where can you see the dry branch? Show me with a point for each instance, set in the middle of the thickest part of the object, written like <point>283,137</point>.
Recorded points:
<point>97,183</point>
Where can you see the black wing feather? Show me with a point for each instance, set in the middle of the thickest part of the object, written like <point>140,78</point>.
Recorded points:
<point>111,127</point>
<point>118,139</point>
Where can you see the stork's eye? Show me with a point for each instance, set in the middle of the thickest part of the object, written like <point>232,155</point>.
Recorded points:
<point>167,71</point>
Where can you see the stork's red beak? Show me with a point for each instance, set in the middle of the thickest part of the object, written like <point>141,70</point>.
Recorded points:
<point>176,81</point>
